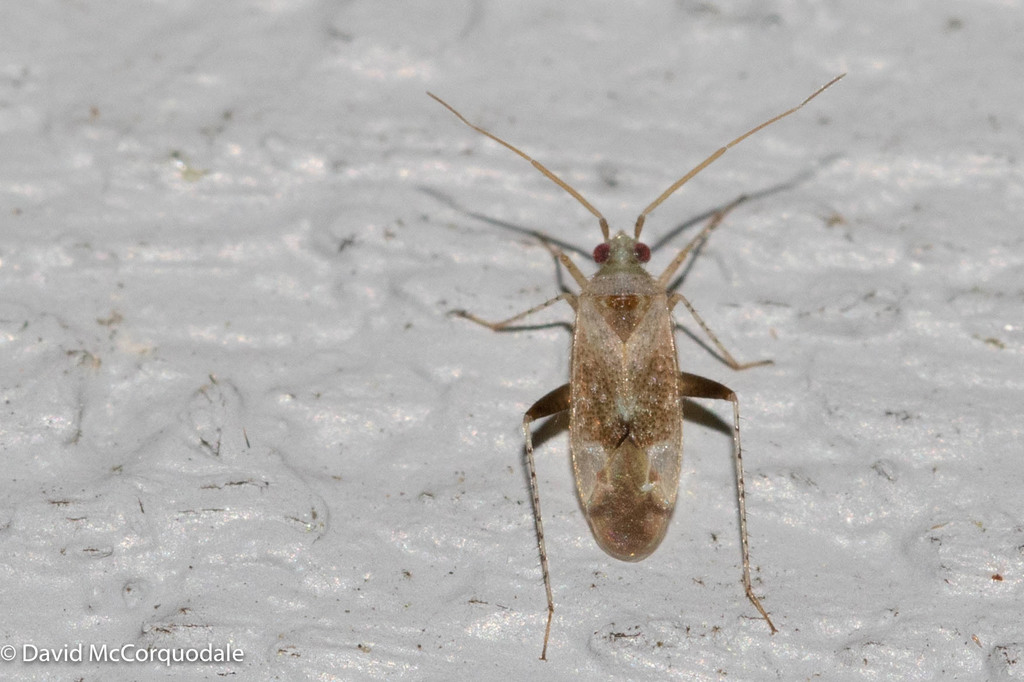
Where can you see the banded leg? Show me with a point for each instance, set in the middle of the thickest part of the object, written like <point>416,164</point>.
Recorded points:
<point>693,386</point>
<point>554,402</point>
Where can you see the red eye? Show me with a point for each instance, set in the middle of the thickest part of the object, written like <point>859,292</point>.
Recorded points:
<point>601,252</point>
<point>642,252</point>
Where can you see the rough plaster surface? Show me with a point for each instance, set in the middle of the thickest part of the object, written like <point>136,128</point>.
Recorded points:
<point>236,412</point>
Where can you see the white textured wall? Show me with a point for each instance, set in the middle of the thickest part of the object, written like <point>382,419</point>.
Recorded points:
<point>234,410</point>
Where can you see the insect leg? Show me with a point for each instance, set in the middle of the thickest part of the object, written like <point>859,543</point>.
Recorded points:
<point>576,273</point>
<point>693,386</point>
<point>701,237</point>
<point>554,402</point>
<point>726,355</point>
<point>498,326</point>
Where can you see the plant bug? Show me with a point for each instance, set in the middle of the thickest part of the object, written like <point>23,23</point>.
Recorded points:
<point>625,394</point>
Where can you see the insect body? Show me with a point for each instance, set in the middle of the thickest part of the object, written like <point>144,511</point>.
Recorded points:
<point>625,432</point>
<point>625,393</point>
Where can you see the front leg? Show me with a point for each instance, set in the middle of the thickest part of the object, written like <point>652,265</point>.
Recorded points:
<point>693,386</point>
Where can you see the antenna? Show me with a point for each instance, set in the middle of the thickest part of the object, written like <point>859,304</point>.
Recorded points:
<point>714,157</point>
<point>664,195</point>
